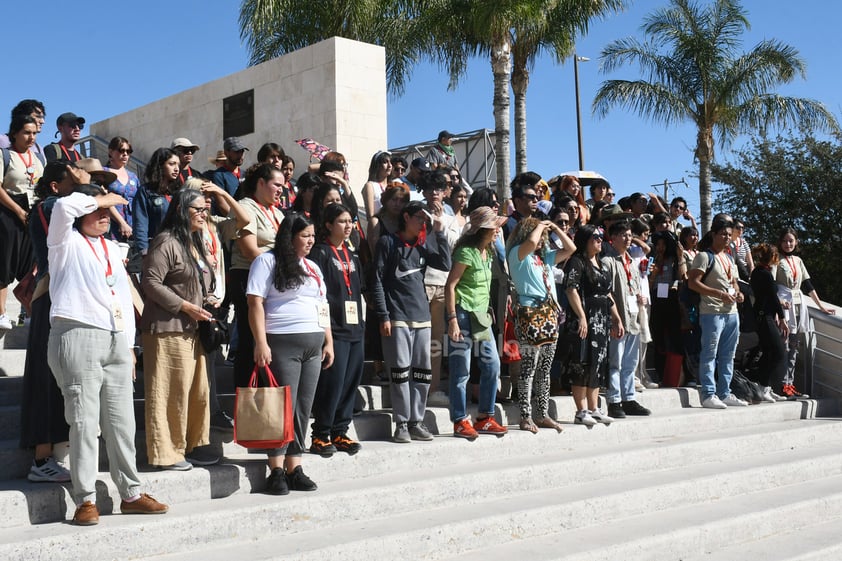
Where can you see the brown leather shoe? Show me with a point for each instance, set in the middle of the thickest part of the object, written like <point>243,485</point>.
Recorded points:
<point>87,514</point>
<point>144,505</point>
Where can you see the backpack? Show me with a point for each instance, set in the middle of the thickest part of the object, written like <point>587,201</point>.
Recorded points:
<point>7,158</point>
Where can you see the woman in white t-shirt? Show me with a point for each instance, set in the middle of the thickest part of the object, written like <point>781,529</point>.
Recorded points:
<point>290,320</point>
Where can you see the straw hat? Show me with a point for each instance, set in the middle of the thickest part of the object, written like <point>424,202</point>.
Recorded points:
<point>219,159</point>
<point>94,167</point>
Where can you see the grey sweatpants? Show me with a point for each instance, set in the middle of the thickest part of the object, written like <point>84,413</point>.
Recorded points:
<point>407,356</point>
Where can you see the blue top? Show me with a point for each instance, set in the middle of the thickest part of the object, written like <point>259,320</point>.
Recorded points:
<point>225,179</point>
<point>128,192</point>
<point>149,209</point>
<point>528,276</point>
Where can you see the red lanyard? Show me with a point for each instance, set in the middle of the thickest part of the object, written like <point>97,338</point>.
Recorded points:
<point>236,173</point>
<point>30,171</point>
<point>312,274</point>
<point>627,267</point>
<point>346,266</point>
<point>728,268</point>
<point>189,174</point>
<point>270,216</point>
<point>792,269</point>
<point>213,245</point>
<point>420,240</point>
<point>67,154</point>
<point>109,276</point>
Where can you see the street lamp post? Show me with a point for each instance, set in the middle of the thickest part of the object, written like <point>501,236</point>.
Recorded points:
<point>576,60</point>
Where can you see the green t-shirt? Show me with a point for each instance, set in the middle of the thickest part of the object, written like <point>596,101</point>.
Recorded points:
<point>474,288</point>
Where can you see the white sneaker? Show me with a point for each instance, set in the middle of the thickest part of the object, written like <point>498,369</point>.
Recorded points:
<point>767,395</point>
<point>52,472</point>
<point>714,402</point>
<point>601,417</point>
<point>734,401</point>
<point>5,322</point>
<point>776,397</point>
<point>638,386</point>
<point>438,399</point>
<point>583,417</point>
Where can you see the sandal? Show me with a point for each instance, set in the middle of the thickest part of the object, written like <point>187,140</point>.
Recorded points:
<point>549,423</point>
<point>528,425</point>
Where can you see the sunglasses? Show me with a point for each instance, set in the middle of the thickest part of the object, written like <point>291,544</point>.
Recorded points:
<point>125,151</point>
<point>562,222</point>
<point>185,150</point>
<point>531,197</point>
<point>679,207</point>
<point>597,236</point>
<point>609,194</point>
<point>79,126</point>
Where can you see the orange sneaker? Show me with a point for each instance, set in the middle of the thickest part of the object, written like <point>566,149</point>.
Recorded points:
<point>489,425</point>
<point>463,429</point>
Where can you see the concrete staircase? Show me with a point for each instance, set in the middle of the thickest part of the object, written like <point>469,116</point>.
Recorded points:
<point>763,482</point>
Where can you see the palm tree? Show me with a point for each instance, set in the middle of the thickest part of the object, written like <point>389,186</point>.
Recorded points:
<point>272,28</point>
<point>555,34</point>
<point>694,72</point>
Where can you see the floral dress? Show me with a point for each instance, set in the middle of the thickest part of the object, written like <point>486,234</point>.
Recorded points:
<point>587,361</point>
<point>127,191</point>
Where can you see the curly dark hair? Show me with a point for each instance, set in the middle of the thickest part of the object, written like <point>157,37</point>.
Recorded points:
<point>288,273</point>
<point>254,174</point>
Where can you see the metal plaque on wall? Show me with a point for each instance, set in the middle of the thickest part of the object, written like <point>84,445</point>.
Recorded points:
<point>238,114</point>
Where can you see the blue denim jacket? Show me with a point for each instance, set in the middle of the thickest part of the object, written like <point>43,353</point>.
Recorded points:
<point>149,209</point>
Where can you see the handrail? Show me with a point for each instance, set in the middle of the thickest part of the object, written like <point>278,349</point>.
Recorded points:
<point>93,146</point>
<point>823,353</point>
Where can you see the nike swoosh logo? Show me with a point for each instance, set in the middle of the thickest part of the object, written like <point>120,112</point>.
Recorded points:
<point>402,274</point>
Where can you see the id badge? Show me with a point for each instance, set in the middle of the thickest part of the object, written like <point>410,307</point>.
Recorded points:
<point>631,303</point>
<point>663,290</point>
<point>117,314</point>
<point>351,315</point>
<point>323,311</point>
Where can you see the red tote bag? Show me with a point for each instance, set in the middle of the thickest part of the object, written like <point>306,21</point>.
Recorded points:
<point>263,415</point>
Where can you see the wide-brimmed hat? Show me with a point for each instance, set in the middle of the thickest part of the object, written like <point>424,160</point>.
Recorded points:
<point>484,217</point>
<point>614,212</point>
<point>184,143</point>
<point>94,167</point>
<point>219,158</point>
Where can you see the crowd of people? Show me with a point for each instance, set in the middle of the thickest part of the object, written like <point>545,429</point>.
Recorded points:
<point>428,279</point>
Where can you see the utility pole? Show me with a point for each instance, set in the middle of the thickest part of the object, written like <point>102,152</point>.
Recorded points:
<point>576,60</point>
<point>666,185</point>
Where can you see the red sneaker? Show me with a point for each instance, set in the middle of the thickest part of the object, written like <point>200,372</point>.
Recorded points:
<point>489,425</point>
<point>463,429</point>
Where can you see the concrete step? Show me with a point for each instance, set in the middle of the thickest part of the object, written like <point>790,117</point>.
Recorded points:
<point>10,390</point>
<point>583,459</point>
<point>9,422</point>
<point>378,425</point>
<point>464,521</point>
<point>685,531</point>
<point>790,541</point>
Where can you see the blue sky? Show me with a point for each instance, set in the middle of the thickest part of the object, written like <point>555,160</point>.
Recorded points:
<point>111,57</point>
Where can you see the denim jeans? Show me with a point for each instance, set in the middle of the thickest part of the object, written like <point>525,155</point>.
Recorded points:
<point>720,335</point>
<point>459,360</point>
<point>623,355</point>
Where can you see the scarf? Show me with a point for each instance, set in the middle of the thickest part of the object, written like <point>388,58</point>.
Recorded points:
<point>446,149</point>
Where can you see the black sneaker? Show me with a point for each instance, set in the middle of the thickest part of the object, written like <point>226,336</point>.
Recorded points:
<point>298,481</point>
<point>634,408</point>
<point>322,447</point>
<point>276,483</point>
<point>344,444</point>
<point>616,410</point>
<point>202,456</point>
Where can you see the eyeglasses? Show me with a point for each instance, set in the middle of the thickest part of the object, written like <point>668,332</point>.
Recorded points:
<point>125,151</point>
<point>200,209</point>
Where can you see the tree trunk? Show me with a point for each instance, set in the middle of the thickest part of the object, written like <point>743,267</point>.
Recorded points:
<point>501,66</point>
<point>704,153</point>
<point>520,82</point>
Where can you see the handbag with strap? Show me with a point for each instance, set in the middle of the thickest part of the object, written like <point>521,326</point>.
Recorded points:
<point>263,415</point>
<point>511,349</point>
<point>213,333</point>
<point>538,325</point>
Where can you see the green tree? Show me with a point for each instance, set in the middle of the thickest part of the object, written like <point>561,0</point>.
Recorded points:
<point>791,181</point>
<point>554,33</point>
<point>271,28</point>
<point>694,72</point>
